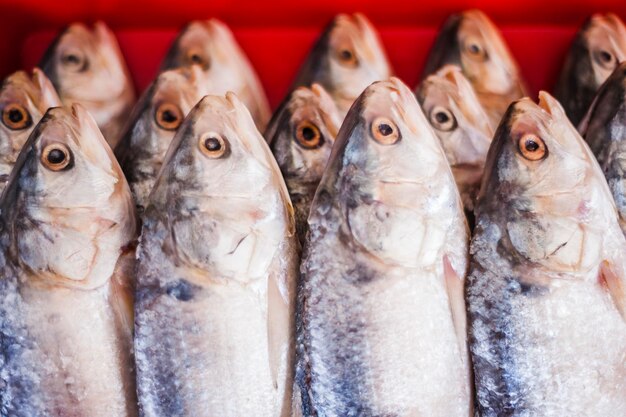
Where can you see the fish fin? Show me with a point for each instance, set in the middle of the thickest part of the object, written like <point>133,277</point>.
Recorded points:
<point>615,285</point>
<point>455,287</point>
<point>456,298</point>
<point>122,289</point>
<point>281,322</point>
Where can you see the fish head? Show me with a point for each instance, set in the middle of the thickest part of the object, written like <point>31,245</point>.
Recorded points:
<point>387,178</point>
<point>544,183</point>
<point>456,116</point>
<point>155,119</point>
<point>23,101</point>
<point>211,45</point>
<point>302,133</point>
<point>348,57</point>
<point>67,203</point>
<point>473,42</point>
<point>86,65</point>
<point>604,127</point>
<point>604,40</point>
<point>222,192</point>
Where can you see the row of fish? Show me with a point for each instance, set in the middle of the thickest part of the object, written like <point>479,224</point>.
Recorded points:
<point>319,269</point>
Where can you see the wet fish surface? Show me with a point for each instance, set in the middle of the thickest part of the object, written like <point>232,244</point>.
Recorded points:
<point>597,49</point>
<point>158,114</point>
<point>347,57</point>
<point>545,291</point>
<point>461,124</point>
<point>86,66</point>
<point>471,41</point>
<point>301,135</point>
<point>23,101</point>
<point>216,274</point>
<point>211,45</point>
<point>380,317</point>
<point>67,226</point>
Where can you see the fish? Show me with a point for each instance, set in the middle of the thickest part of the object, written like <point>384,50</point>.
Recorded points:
<point>380,313</point>
<point>24,99</point>
<point>67,232</point>
<point>211,45</point>
<point>86,66</point>
<point>346,58</point>
<point>597,49</point>
<point>301,135</point>
<point>604,130</point>
<point>216,274</point>
<point>462,126</point>
<point>155,119</point>
<point>545,291</point>
<point>471,41</point>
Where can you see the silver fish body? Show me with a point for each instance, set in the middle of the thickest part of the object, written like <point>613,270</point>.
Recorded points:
<point>462,126</point>
<point>151,128</point>
<point>380,317</point>
<point>545,291</point>
<point>211,45</point>
<point>301,135</point>
<point>471,41</point>
<point>23,102</point>
<point>66,276</point>
<point>597,49</point>
<point>86,66</point>
<point>216,274</point>
<point>347,57</point>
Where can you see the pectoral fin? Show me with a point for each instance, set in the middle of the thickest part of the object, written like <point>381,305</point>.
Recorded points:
<point>614,283</point>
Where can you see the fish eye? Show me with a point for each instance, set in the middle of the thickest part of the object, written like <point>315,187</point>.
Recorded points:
<point>474,49</point>
<point>16,117</point>
<point>347,57</point>
<point>168,116</point>
<point>56,157</point>
<point>213,145</point>
<point>384,131</point>
<point>442,119</point>
<point>605,59</point>
<point>195,57</point>
<point>74,60</point>
<point>308,135</point>
<point>532,147</point>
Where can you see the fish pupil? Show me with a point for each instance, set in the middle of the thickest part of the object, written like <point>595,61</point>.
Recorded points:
<point>475,49</point>
<point>56,156</point>
<point>15,116</point>
<point>169,117</point>
<point>71,59</point>
<point>606,57</point>
<point>441,117</point>
<point>531,145</point>
<point>308,133</point>
<point>385,129</point>
<point>346,55</point>
<point>212,144</point>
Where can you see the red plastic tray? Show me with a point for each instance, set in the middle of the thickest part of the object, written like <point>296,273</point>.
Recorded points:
<point>277,34</point>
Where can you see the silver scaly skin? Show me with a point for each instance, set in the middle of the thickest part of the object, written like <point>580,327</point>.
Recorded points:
<point>545,291</point>
<point>66,239</point>
<point>216,274</point>
<point>380,317</point>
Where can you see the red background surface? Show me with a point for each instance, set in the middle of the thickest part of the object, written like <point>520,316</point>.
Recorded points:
<point>278,34</point>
